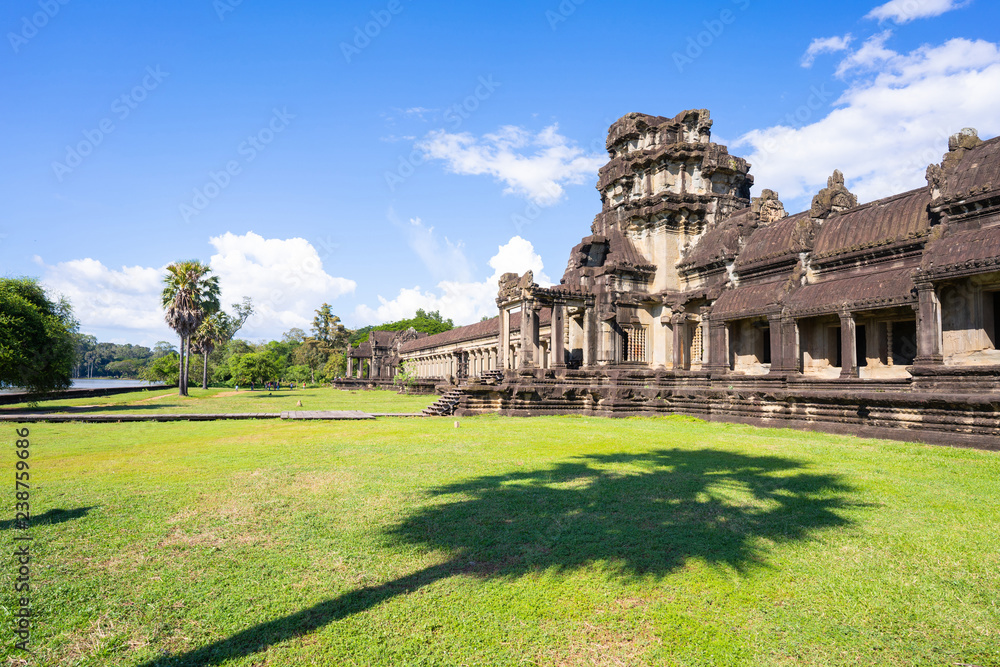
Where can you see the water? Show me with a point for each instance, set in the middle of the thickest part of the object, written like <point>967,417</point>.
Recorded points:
<point>93,383</point>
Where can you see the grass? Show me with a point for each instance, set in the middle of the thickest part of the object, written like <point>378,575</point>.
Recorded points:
<point>225,400</point>
<point>543,541</point>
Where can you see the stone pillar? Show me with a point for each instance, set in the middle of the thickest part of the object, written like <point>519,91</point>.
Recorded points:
<point>529,335</point>
<point>589,336</point>
<point>790,345</point>
<point>503,347</point>
<point>848,346</point>
<point>350,366</point>
<point>929,335</point>
<point>778,362</point>
<point>557,337</point>
<point>680,324</point>
<point>718,347</point>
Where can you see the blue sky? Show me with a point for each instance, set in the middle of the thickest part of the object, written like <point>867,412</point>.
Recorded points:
<point>389,155</point>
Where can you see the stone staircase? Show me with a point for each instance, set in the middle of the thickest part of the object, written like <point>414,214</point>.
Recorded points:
<point>492,377</point>
<point>445,405</point>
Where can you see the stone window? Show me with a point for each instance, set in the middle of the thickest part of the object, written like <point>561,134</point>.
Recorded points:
<point>634,344</point>
<point>696,344</point>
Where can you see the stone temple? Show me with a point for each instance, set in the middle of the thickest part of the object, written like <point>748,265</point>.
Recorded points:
<point>690,297</point>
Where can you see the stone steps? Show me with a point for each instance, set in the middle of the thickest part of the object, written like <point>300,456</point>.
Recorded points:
<point>445,405</point>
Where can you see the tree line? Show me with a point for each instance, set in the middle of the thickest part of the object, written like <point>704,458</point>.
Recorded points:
<point>41,348</point>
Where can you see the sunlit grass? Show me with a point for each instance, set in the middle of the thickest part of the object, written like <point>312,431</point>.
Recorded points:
<point>227,401</point>
<point>550,541</point>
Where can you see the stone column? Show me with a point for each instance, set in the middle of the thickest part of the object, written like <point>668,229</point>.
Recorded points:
<point>350,366</point>
<point>790,345</point>
<point>680,324</point>
<point>718,347</point>
<point>778,362</point>
<point>929,335</point>
<point>589,334</point>
<point>529,335</point>
<point>557,336</point>
<point>848,346</point>
<point>503,346</point>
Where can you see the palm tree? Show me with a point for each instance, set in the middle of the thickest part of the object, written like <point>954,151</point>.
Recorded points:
<point>189,295</point>
<point>212,331</point>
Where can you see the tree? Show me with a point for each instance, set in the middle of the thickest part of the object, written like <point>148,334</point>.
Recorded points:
<point>255,367</point>
<point>312,353</point>
<point>219,327</point>
<point>37,346</point>
<point>406,376</point>
<point>189,295</point>
<point>163,348</point>
<point>328,329</point>
<point>210,332</point>
<point>293,335</point>
<point>424,322</point>
<point>336,366</point>
<point>84,344</point>
<point>163,369</point>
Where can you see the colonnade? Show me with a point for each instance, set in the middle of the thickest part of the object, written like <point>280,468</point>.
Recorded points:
<point>476,361</point>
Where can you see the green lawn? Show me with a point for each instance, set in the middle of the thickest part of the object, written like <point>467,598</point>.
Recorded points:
<point>226,400</point>
<point>543,541</point>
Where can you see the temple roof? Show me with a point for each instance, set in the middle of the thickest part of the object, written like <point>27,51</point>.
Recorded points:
<point>867,290</point>
<point>976,171</point>
<point>622,253</point>
<point>780,241</point>
<point>896,219</point>
<point>750,300</point>
<point>719,244</point>
<point>975,249</point>
<point>486,328</point>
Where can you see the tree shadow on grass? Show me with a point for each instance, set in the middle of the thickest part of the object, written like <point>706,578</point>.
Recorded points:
<point>631,514</point>
<point>51,517</point>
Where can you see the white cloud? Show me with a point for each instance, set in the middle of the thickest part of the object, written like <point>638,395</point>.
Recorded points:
<point>893,120</point>
<point>284,277</point>
<point>535,166</point>
<point>104,298</point>
<point>463,302</point>
<point>872,55</point>
<point>825,45</point>
<point>904,11</point>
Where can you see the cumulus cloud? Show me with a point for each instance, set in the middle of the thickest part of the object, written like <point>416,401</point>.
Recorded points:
<point>892,121</point>
<point>872,55</point>
<point>534,166</point>
<point>126,299</point>
<point>284,277</point>
<point>825,45</point>
<point>904,11</point>
<point>463,302</point>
